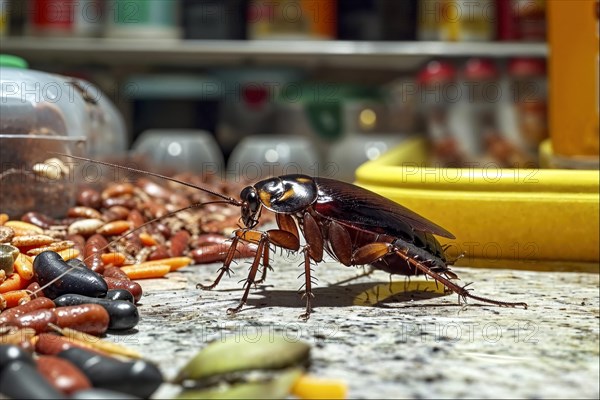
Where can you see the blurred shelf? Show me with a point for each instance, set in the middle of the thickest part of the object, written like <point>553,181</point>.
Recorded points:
<point>402,55</point>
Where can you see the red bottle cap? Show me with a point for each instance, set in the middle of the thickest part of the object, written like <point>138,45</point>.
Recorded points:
<point>527,67</point>
<point>436,72</point>
<point>480,69</point>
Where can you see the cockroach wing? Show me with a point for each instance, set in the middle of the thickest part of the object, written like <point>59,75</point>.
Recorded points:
<point>361,208</point>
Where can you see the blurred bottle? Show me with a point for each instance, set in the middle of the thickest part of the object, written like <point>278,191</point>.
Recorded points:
<point>4,13</point>
<point>457,20</point>
<point>214,19</point>
<point>429,22</point>
<point>521,20</point>
<point>377,20</point>
<point>530,97</point>
<point>154,19</point>
<point>65,18</point>
<point>437,95</point>
<point>292,19</point>
<point>466,20</point>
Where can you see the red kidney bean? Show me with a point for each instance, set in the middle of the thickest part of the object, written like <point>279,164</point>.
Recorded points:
<point>159,253</point>
<point>209,253</point>
<point>94,247</point>
<point>179,243</point>
<point>123,314</point>
<point>34,288</point>
<point>15,312</point>
<point>50,344</point>
<point>214,252</point>
<point>37,320</point>
<point>62,374</point>
<point>89,198</point>
<point>88,318</point>
<point>206,238</point>
<point>116,213</point>
<point>132,286</point>
<point>38,219</point>
<point>153,189</point>
<point>79,244</point>
<point>136,218</point>
<point>115,272</point>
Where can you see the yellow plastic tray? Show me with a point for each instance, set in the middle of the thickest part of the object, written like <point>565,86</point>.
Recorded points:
<point>497,215</point>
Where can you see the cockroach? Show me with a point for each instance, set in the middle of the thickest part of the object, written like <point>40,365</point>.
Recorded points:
<point>353,225</point>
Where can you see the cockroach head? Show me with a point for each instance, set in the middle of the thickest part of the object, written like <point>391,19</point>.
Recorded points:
<point>250,206</point>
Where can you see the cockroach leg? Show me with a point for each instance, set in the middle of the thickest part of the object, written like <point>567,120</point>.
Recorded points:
<point>226,266</point>
<point>251,276</point>
<point>461,291</point>
<point>307,284</point>
<point>266,266</point>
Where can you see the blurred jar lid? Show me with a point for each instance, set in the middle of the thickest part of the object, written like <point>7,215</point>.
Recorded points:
<point>525,67</point>
<point>436,71</point>
<point>480,69</point>
<point>8,60</point>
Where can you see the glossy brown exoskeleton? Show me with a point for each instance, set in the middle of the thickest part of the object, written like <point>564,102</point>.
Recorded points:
<point>353,225</point>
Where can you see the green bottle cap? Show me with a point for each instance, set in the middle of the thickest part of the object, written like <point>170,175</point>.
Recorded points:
<point>7,60</point>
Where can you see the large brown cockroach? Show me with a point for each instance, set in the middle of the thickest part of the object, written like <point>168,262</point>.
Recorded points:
<point>353,225</point>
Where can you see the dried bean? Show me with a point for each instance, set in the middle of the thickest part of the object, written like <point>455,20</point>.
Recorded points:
<point>114,228</point>
<point>133,287</point>
<point>116,213</point>
<point>214,252</point>
<point>84,212</point>
<point>136,218</point>
<point>32,240</point>
<point>179,243</point>
<point>115,272</point>
<point>15,312</point>
<point>139,378</point>
<point>159,253</point>
<point>21,380</point>
<point>37,320</point>
<point>89,198</point>
<point>88,318</point>
<point>34,288</point>
<point>49,266</point>
<point>118,189</point>
<point>10,353</point>
<point>39,219</point>
<point>79,243</point>
<point>120,294</point>
<point>85,227</point>
<point>6,234</point>
<point>50,344</point>
<point>92,254</point>
<point>127,202</point>
<point>123,314</point>
<point>62,374</point>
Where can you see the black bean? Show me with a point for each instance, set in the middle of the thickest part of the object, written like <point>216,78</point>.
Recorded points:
<point>21,380</point>
<point>101,394</point>
<point>120,294</point>
<point>76,262</point>
<point>49,265</point>
<point>10,353</point>
<point>138,378</point>
<point>123,314</point>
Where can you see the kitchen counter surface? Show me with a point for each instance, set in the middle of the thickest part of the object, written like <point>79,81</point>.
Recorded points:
<point>386,342</point>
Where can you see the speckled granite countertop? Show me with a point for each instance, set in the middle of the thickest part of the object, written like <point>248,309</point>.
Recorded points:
<point>406,345</point>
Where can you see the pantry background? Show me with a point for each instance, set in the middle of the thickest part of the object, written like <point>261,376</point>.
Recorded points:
<point>340,81</point>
